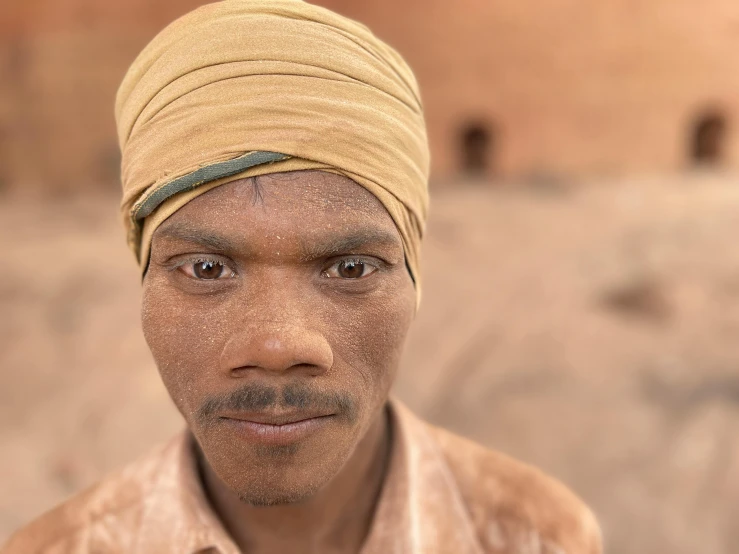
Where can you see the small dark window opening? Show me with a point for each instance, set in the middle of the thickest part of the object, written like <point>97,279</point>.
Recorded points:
<point>17,60</point>
<point>108,165</point>
<point>707,139</point>
<point>476,146</point>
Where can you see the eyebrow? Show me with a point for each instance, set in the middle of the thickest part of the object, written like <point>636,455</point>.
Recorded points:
<point>334,246</point>
<point>184,232</point>
<point>358,240</point>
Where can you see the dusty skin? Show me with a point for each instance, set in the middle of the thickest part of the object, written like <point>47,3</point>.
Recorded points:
<point>603,348</point>
<point>282,293</point>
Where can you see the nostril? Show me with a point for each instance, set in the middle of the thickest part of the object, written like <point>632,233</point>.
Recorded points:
<point>310,369</point>
<point>241,371</point>
<point>313,370</point>
<point>276,349</point>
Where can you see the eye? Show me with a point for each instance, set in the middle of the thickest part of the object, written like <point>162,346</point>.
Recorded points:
<point>207,270</point>
<point>350,269</point>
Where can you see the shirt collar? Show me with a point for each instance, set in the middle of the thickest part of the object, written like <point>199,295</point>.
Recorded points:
<point>177,515</point>
<point>420,510</point>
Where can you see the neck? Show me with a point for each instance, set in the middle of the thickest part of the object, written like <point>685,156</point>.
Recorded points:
<point>336,519</point>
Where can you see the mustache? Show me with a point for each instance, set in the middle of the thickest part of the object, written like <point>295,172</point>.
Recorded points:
<point>255,397</point>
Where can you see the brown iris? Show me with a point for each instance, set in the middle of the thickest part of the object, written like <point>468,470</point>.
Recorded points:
<point>207,270</point>
<point>351,269</point>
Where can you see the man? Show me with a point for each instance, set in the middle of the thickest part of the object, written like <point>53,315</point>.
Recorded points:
<point>275,170</point>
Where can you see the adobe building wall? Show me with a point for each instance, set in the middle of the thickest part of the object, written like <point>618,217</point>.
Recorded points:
<point>60,64</point>
<point>567,89</point>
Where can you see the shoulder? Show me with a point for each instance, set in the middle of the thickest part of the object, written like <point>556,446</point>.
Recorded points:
<point>109,505</point>
<point>514,505</point>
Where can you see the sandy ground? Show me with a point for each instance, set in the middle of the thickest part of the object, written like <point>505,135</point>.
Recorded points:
<point>590,329</point>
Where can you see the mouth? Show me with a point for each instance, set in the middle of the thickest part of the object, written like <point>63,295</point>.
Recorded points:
<point>276,428</point>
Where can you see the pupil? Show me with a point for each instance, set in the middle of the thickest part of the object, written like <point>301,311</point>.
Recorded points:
<point>208,270</point>
<point>351,270</point>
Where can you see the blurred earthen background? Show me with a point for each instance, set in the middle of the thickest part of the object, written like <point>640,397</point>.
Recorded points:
<point>581,301</point>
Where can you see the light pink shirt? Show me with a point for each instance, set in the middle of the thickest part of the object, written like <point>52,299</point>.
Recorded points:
<point>442,494</point>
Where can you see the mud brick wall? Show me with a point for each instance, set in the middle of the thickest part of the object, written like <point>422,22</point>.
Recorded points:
<point>534,89</point>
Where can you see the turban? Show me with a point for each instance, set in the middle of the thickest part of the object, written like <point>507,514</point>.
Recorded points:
<point>242,88</point>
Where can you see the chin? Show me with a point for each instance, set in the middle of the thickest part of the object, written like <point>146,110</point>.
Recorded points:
<point>262,497</point>
<point>271,475</point>
<point>280,484</point>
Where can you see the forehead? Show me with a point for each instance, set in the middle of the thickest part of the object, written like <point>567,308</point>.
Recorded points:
<point>302,202</point>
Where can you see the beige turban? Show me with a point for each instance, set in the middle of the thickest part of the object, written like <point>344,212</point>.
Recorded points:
<point>249,87</point>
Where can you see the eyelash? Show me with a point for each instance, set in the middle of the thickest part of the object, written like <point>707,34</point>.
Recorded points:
<point>375,264</point>
<point>181,264</point>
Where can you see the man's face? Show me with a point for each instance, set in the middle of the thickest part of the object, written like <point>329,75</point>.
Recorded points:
<point>276,311</point>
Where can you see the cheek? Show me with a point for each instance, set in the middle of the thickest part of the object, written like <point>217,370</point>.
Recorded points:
<point>184,340</point>
<point>368,338</point>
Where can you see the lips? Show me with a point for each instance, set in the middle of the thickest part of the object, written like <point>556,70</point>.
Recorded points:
<point>274,418</point>
<point>276,428</point>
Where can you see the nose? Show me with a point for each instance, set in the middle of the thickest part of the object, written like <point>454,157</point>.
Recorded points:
<point>276,348</point>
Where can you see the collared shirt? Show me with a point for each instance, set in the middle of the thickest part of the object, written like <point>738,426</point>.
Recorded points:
<point>442,494</point>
